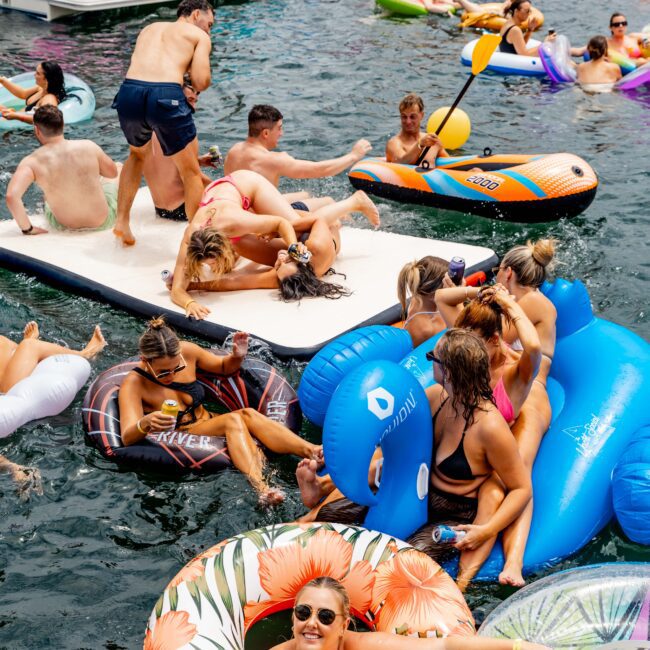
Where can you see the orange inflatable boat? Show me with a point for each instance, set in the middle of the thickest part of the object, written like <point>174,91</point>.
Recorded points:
<point>491,17</point>
<point>522,188</point>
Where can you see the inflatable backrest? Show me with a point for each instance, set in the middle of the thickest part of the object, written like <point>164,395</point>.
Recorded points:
<point>556,59</point>
<point>571,299</point>
<point>380,403</point>
<point>340,357</point>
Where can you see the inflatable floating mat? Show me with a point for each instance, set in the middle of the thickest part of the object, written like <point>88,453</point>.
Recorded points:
<point>94,264</point>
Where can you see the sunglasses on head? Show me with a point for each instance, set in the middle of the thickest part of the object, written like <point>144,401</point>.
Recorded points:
<point>430,356</point>
<point>166,373</point>
<point>325,616</point>
<point>620,23</point>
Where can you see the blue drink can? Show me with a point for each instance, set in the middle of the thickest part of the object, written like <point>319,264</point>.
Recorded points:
<point>456,270</point>
<point>446,535</point>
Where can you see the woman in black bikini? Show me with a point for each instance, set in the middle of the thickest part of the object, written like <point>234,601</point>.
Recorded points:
<point>167,370</point>
<point>49,89</point>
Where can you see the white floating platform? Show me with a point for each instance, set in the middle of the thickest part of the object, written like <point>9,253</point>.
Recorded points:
<point>53,9</point>
<point>94,264</point>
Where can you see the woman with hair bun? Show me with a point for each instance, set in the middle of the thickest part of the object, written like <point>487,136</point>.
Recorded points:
<point>598,70</point>
<point>420,279</point>
<point>49,89</point>
<point>514,41</point>
<point>321,618</point>
<point>168,370</point>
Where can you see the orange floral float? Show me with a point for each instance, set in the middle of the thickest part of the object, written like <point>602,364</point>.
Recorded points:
<point>217,597</point>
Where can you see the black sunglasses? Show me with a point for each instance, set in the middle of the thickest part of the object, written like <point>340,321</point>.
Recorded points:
<point>166,373</point>
<point>325,616</point>
<point>621,23</point>
<point>430,356</point>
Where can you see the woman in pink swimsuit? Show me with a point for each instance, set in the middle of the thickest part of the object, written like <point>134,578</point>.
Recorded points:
<point>627,44</point>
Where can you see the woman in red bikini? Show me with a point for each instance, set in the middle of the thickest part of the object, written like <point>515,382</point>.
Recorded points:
<point>629,45</point>
<point>243,214</point>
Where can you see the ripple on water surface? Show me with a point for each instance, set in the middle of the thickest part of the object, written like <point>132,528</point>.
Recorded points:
<point>83,565</point>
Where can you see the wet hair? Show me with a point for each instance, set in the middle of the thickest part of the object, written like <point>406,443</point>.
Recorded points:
<point>304,283</point>
<point>483,316</point>
<point>411,100</point>
<point>187,7</point>
<point>325,582</point>
<point>597,47</point>
<point>260,117</point>
<point>516,4</point>
<point>159,341</point>
<point>615,15</point>
<point>54,77</point>
<point>420,278</point>
<point>204,244</point>
<point>466,365</point>
<point>531,261</point>
<point>49,119</point>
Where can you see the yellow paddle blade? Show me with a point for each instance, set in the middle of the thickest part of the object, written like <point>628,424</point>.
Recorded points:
<point>483,51</point>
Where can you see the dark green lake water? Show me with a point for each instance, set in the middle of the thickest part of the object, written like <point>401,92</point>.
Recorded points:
<point>82,566</point>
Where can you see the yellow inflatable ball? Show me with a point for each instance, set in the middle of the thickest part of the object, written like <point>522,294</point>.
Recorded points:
<point>457,130</point>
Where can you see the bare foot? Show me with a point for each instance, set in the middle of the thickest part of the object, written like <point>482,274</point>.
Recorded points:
<point>28,480</point>
<point>364,204</point>
<point>31,330</point>
<point>271,497</point>
<point>511,575</point>
<point>96,344</point>
<point>125,235</point>
<point>308,482</point>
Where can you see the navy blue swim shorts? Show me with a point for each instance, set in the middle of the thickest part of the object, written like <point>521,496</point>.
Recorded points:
<point>145,107</point>
<point>299,205</point>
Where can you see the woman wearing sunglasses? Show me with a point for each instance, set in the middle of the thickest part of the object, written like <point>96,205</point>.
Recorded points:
<point>321,617</point>
<point>167,370</point>
<point>629,45</point>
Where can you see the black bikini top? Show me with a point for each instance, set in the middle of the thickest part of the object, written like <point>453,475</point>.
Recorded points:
<point>455,466</point>
<point>192,388</point>
<point>28,106</point>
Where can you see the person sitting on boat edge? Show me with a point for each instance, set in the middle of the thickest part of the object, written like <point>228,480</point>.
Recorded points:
<point>630,45</point>
<point>405,147</point>
<point>513,39</point>
<point>168,370</point>
<point>321,616</point>
<point>598,70</point>
<point>161,174</point>
<point>256,153</point>
<point>77,177</point>
<point>48,91</point>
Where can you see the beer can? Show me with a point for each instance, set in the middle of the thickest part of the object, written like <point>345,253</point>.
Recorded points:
<point>456,270</point>
<point>215,154</point>
<point>165,275</point>
<point>446,534</point>
<point>170,407</point>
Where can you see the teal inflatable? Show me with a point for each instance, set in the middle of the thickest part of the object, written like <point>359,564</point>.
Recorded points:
<point>631,489</point>
<point>597,392</point>
<point>78,106</point>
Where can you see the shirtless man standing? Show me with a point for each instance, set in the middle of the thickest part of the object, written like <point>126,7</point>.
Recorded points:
<point>256,154</point>
<point>151,99</point>
<point>408,144</point>
<point>69,173</point>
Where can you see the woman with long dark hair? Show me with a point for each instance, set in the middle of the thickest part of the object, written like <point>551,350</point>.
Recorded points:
<point>49,89</point>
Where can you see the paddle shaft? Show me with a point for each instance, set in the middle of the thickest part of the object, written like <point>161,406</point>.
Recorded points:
<point>425,151</point>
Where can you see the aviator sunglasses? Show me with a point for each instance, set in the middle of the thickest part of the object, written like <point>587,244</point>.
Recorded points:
<point>620,23</point>
<point>166,373</point>
<point>325,616</point>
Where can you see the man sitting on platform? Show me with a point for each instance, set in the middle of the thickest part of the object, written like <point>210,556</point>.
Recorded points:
<point>78,179</point>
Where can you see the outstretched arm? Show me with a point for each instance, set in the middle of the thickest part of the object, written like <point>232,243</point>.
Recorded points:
<point>291,167</point>
<point>16,90</point>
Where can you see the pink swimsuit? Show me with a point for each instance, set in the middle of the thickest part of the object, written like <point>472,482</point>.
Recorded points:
<point>245,201</point>
<point>503,402</point>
